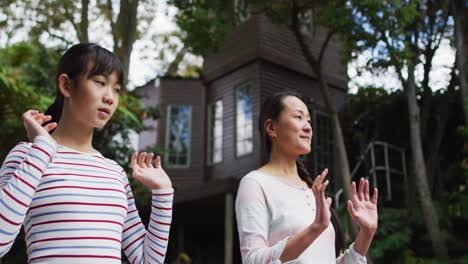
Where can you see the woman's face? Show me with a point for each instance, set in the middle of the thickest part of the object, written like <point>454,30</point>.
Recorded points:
<point>293,132</point>
<point>93,100</point>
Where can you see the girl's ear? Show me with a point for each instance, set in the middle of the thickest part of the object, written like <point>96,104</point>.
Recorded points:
<point>270,127</point>
<point>64,85</point>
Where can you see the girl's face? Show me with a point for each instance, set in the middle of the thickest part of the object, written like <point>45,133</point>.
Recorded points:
<point>292,132</point>
<point>93,100</point>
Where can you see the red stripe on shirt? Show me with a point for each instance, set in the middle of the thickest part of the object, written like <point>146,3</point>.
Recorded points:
<point>74,256</point>
<point>42,150</point>
<point>16,200</point>
<point>74,238</point>
<point>77,221</point>
<point>162,194</point>
<point>133,242</point>
<point>76,203</point>
<point>162,208</point>
<point>25,182</point>
<point>33,165</point>
<point>80,187</point>
<point>157,252</point>
<point>160,237</point>
<point>86,165</point>
<point>9,221</point>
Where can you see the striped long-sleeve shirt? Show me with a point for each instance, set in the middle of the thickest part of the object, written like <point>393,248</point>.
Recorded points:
<point>77,208</point>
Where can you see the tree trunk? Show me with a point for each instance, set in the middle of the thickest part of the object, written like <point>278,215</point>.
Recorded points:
<point>461,43</point>
<point>315,64</point>
<point>429,212</point>
<point>125,31</point>
<point>84,23</point>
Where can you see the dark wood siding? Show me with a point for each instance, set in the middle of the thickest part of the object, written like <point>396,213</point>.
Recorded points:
<point>224,88</point>
<point>150,96</point>
<point>190,92</point>
<point>260,38</point>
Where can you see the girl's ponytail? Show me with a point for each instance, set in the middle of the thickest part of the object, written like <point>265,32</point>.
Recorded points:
<point>55,109</point>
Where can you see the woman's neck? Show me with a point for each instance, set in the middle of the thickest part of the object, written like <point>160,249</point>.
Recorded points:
<point>73,136</point>
<point>283,166</point>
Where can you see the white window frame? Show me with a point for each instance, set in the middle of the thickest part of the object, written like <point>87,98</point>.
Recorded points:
<point>249,87</point>
<point>211,137</point>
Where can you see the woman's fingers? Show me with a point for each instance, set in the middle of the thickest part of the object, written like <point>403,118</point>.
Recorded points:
<point>366,190</point>
<point>149,159</point>
<point>361,189</point>
<point>354,196</point>
<point>375,196</point>
<point>351,210</point>
<point>319,180</point>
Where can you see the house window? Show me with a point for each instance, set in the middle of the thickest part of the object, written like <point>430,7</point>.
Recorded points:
<point>215,132</point>
<point>178,132</point>
<point>244,121</point>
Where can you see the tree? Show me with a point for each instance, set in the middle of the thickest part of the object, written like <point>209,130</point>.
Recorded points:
<point>459,10</point>
<point>126,26</point>
<point>405,34</point>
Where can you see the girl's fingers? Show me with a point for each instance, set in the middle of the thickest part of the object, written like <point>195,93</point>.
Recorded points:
<point>375,196</point>
<point>157,162</point>
<point>38,116</point>
<point>329,202</point>
<point>149,158</point>
<point>133,160</point>
<point>141,160</point>
<point>50,126</point>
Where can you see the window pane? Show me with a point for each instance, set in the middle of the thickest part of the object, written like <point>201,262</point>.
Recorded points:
<point>178,137</point>
<point>244,121</point>
<point>215,132</point>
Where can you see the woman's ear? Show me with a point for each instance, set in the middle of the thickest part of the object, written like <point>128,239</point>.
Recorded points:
<point>270,127</point>
<point>64,85</point>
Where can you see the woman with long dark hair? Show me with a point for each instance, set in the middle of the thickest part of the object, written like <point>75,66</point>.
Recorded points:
<point>282,215</point>
<point>77,206</point>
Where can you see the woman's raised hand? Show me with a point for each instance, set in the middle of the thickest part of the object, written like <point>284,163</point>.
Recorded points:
<point>322,215</point>
<point>362,208</point>
<point>153,177</point>
<point>33,120</point>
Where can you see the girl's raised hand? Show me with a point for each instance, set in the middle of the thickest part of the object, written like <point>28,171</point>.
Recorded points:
<point>322,215</point>
<point>153,177</point>
<point>33,120</point>
<point>362,208</point>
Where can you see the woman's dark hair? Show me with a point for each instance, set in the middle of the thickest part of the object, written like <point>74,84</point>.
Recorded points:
<point>84,59</point>
<point>271,109</point>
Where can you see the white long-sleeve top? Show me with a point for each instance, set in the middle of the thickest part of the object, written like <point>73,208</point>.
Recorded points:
<point>269,211</point>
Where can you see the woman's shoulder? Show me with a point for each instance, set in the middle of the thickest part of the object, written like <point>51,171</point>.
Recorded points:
<point>256,176</point>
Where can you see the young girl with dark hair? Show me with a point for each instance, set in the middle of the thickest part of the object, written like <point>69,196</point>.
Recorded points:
<point>282,215</point>
<point>77,206</point>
